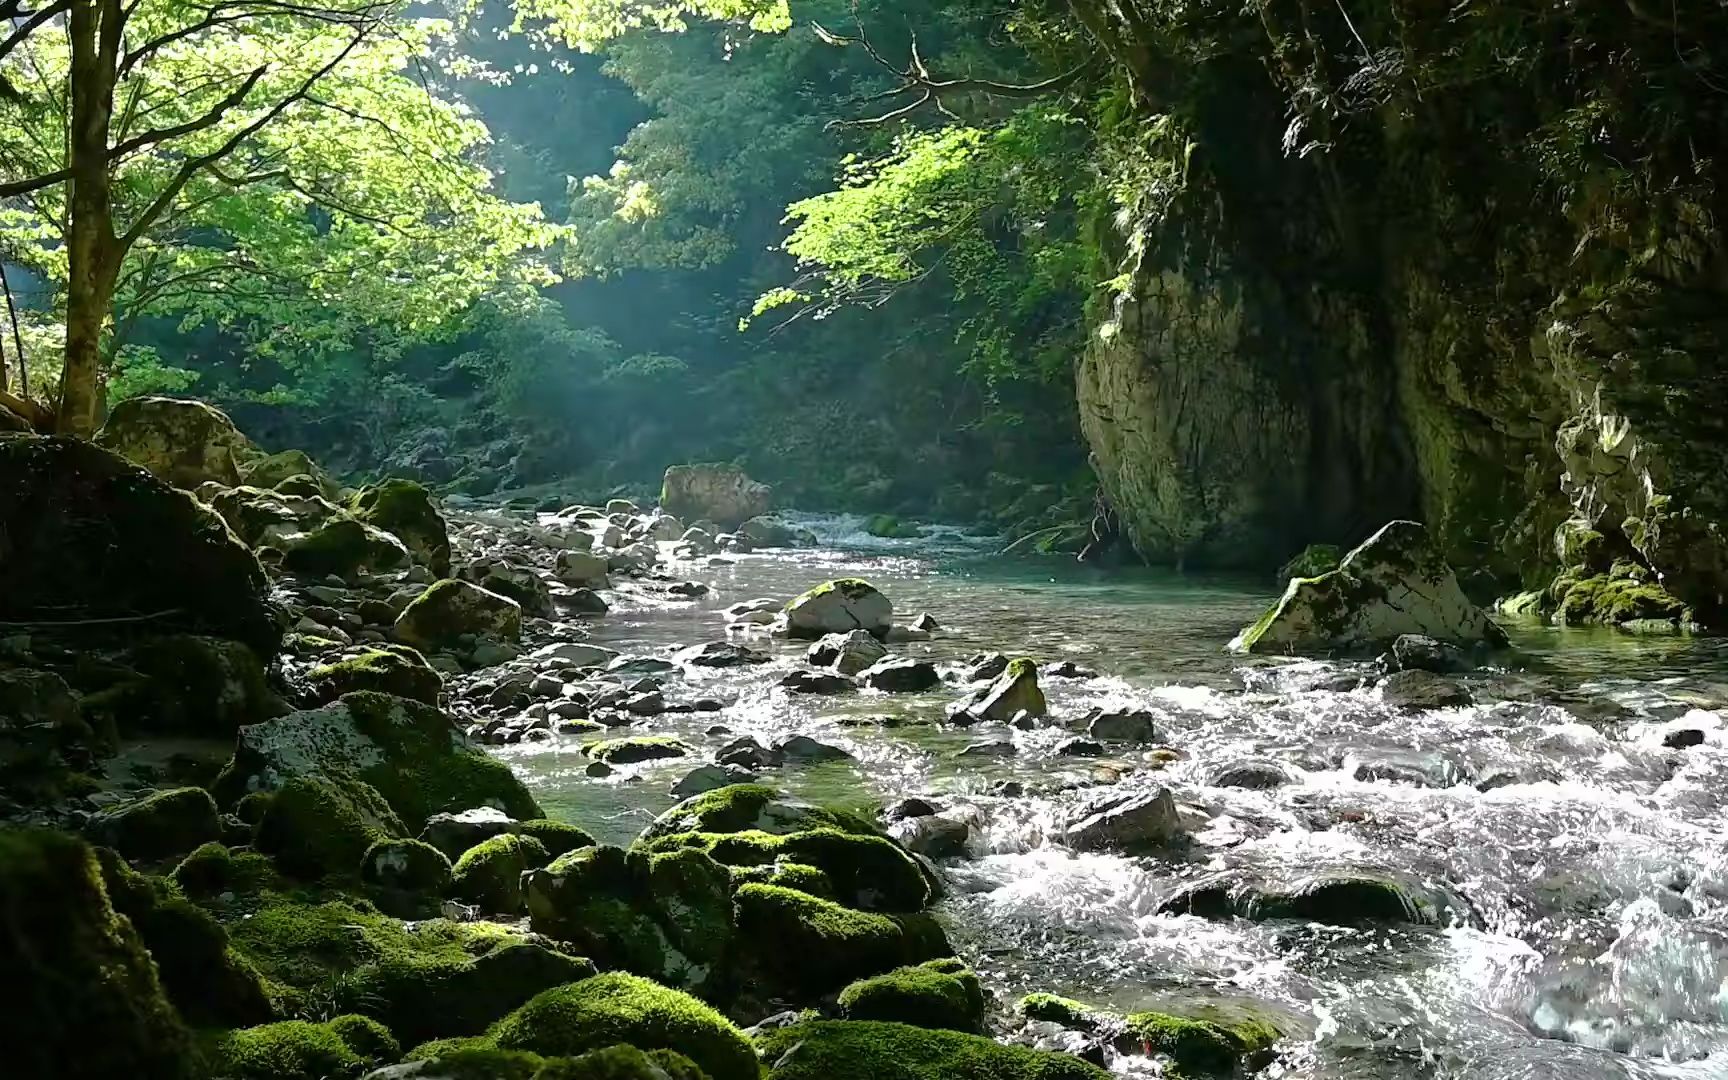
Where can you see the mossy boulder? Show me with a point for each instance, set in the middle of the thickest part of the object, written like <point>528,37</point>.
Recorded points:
<point>165,823</point>
<point>408,866</point>
<point>423,980</point>
<point>865,871</point>
<point>472,1059</point>
<point>1396,582</point>
<point>750,807</point>
<point>889,527</point>
<point>320,826</point>
<point>665,915</point>
<point>274,470</point>
<point>91,536</point>
<point>1204,1042</point>
<point>937,994</point>
<point>213,868</point>
<point>410,753</point>
<point>83,998</point>
<point>490,873</point>
<point>449,610</point>
<point>43,734</point>
<point>404,509</point>
<point>268,517</point>
<point>804,946</point>
<point>1015,692</point>
<point>391,669</point>
<point>1311,561</point>
<point>183,442</point>
<point>866,1050</point>
<point>619,1008</point>
<point>195,685</point>
<point>839,607</point>
<point>558,837</point>
<point>1613,599</point>
<point>343,547</point>
<point>723,494</point>
<point>632,749</point>
<point>299,1050</point>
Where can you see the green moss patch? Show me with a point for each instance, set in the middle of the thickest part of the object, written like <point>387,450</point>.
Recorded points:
<point>860,1050</point>
<point>938,994</point>
<point>490,873</point>
<point>394,669</point>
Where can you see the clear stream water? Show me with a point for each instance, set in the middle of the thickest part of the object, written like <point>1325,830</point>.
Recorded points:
<point>1593,859</point>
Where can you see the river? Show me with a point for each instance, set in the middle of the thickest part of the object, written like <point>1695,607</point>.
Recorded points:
<point>1592,859</point>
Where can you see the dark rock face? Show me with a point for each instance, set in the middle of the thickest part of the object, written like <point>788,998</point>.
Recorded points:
<point>86,535</point>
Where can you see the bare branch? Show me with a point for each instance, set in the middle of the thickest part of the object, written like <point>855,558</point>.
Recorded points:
<point>30,24</point>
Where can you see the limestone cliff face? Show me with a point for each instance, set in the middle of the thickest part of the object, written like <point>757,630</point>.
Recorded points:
<point>1416,320</point>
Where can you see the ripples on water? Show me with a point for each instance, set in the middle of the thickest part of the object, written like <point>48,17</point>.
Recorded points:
<point>1592,860</point>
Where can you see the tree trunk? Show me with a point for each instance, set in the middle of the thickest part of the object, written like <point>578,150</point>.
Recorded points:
<point>92,249</point>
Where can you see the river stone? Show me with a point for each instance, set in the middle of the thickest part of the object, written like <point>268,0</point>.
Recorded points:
<point>1257,774</point>
<point>901,675</point>
<point>519,583</point>
<point>802,748</point>
<point>159,825</point>
<point>1123,725</point>
<point>274,470</point>
<point>185,443</point>
<point>720,493</point>
<point>1415,652</point>
<point>450,609</point>
<point>745,752</point>
<point>574,654</point>
<point>708,778</point>
<point>405,509</point>
<point>1014,693</point>
<point>847,653</point>
<point>1420,689</point>
<point>90,536</point>
<point>932,836</point>
<point>261,518</point>
<point>1124,822</point>
<point>719,654</point>
<point>343,547</point>
<point>581,568</point>
<point>805,681</point>
<point>454,833</point>
<point>1396,582</point>
<point>839,607</point>
<point>1332,898</point>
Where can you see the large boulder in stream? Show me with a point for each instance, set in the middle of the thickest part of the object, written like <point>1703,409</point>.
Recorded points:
<point>405,510</point>
<point>839,607</point>
<point>1395,583</point>
<point>184,442</point>
<point>719,493</point>
<point>86,535</point>
<point>450,609</point>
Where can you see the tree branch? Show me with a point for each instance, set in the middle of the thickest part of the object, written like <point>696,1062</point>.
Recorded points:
<point>30,23</point>
<point>210,119</point>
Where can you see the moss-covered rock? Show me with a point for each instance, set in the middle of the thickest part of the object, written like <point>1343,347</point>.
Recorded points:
<point>197,685</point>
<point>212,869</point>
<point>865,871</point>
<point>1014,692</point>
<point>411,753</point>
<point>320,826</point>
<point>275,470</point>
<point>490,873</point>
<point>559,837</point>
<point>632,749</point>
<point>267,517</point>
<point>409,866</point>
<point>391,669</point>
<point>1396,582</point>
<point>83,999</point>
<point>159,825</point>
<point>87,532</point>
<point>43,735</point>
<point>423,980</point>
<point>404,509</point>
<point>1614,599</point>
<point>185,443</point>
<point>618,1008</point>
<point>839,607</point>
<point>343,547</point>
<point>450,609</point>
<point>861,1050</point>
<point>1311,561</point>
<point>1208,1042</point>
<point>750,807</point>
<point>889,527</point>
<point>298,1050</point>
<point>938,994</point>
<point>665,915</point>
<point>808,946</point>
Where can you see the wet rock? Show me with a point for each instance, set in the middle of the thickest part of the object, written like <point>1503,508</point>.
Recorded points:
<point>839,607</point>
<point>721,493</point>
<point>719,654</point>
<point>1079,747</point>
<point>901,675</point>
<point>86,532</point>
<point>909,807</point>
<point>454,833</point>
<point>598,770</point>
<point>803,681</point>
<point>651,703</point>
<point>933,837</point>
<point>745,752</point>
<point>1417,769</point>
<point>185,443</point>
<point>1415,652</point>
<point>1014,693</point>
<point>1681,738</point>
<point>1333,898</point>
<point>574,654</point>
<point>1396,582</point>
<point>770,532</point>
<point>986,667</point>
<point>157,826</point>
<point>639,665</point>
<point>636,748</point>
<point>926,623</point>
<point>688,589</point>
<point>1123,726</point>
<point>993,748</point>
<point>898,635</point>
<point>848,653</point>
<point>1417,688</point>
<point>520,583</point>
<point>705,778</point>
<point>450,609</point>
<point>1124,821</point>
<point>1068,669</point>
<point>1255,774</point>
<point>803,749</point>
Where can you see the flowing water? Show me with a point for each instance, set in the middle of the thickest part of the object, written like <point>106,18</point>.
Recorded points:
<point>1590,860</point>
